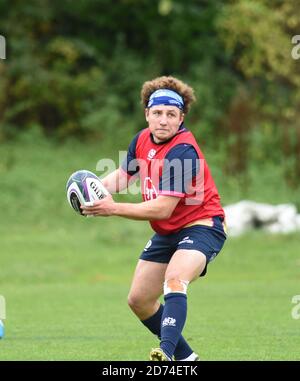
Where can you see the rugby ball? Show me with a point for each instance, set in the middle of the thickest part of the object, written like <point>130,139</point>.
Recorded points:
<point>83,188</point>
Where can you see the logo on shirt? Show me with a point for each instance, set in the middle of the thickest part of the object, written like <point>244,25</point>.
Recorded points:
<point>150,192</point>
<point>151,154</point>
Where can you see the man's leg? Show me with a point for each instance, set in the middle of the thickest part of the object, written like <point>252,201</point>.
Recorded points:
<point>185,266</point>
<point>147,286</point>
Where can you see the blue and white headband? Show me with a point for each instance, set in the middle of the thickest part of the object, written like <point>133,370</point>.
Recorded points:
<point>166,97</point>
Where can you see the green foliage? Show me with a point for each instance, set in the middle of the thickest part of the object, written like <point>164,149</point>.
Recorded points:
<point>75,69</point>
<point>80,68</point>
<point>257,36</point>
<point>73,72</point>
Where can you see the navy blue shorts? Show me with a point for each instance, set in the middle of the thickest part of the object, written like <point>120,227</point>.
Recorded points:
<point>208,240</point>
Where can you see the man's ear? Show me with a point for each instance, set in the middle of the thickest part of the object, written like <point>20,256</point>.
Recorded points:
<point>146,114</point>
<point>181,117</point>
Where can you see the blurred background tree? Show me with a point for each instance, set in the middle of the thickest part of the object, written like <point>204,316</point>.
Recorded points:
<point>257,36</point>
<point>75,69</point>
<point>69,97</point>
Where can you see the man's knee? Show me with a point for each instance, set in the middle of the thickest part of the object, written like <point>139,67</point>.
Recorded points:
<point>133,300</point>
<point>174,284</point>
<point>142,307</point>
<point>137,301</point>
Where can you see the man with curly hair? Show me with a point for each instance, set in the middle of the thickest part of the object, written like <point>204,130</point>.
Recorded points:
<point>182,204</point>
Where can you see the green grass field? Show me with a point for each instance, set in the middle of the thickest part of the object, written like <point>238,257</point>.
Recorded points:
<point>66,278</point>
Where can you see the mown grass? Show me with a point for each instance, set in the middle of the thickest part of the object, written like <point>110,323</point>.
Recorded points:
<point>65,278</point>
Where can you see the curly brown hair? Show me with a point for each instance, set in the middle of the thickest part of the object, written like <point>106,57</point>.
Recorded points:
<point>171,83</point>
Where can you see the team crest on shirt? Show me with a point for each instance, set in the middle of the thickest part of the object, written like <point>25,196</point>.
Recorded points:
<point>151,154</point>
<point>149,189</point>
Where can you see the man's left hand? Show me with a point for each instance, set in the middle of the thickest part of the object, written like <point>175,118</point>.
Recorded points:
<point>104,207</point>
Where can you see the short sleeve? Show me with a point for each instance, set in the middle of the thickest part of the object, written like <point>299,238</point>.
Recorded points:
<point>129,164</point>
<point>181,165</point>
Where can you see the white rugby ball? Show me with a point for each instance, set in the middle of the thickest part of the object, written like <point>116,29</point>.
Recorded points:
<point>83,188</point>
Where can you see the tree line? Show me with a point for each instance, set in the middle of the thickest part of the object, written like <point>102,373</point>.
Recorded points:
<point>75,68</point>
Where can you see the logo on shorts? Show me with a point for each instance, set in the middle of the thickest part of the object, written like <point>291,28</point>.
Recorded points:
<point>169,321</point>
<point>186,240</point>
<point>212,257</point>
<point>149,243</point>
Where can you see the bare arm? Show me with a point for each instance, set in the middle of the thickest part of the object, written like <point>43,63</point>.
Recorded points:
<point>116,181</point>
<point>159,209</point>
